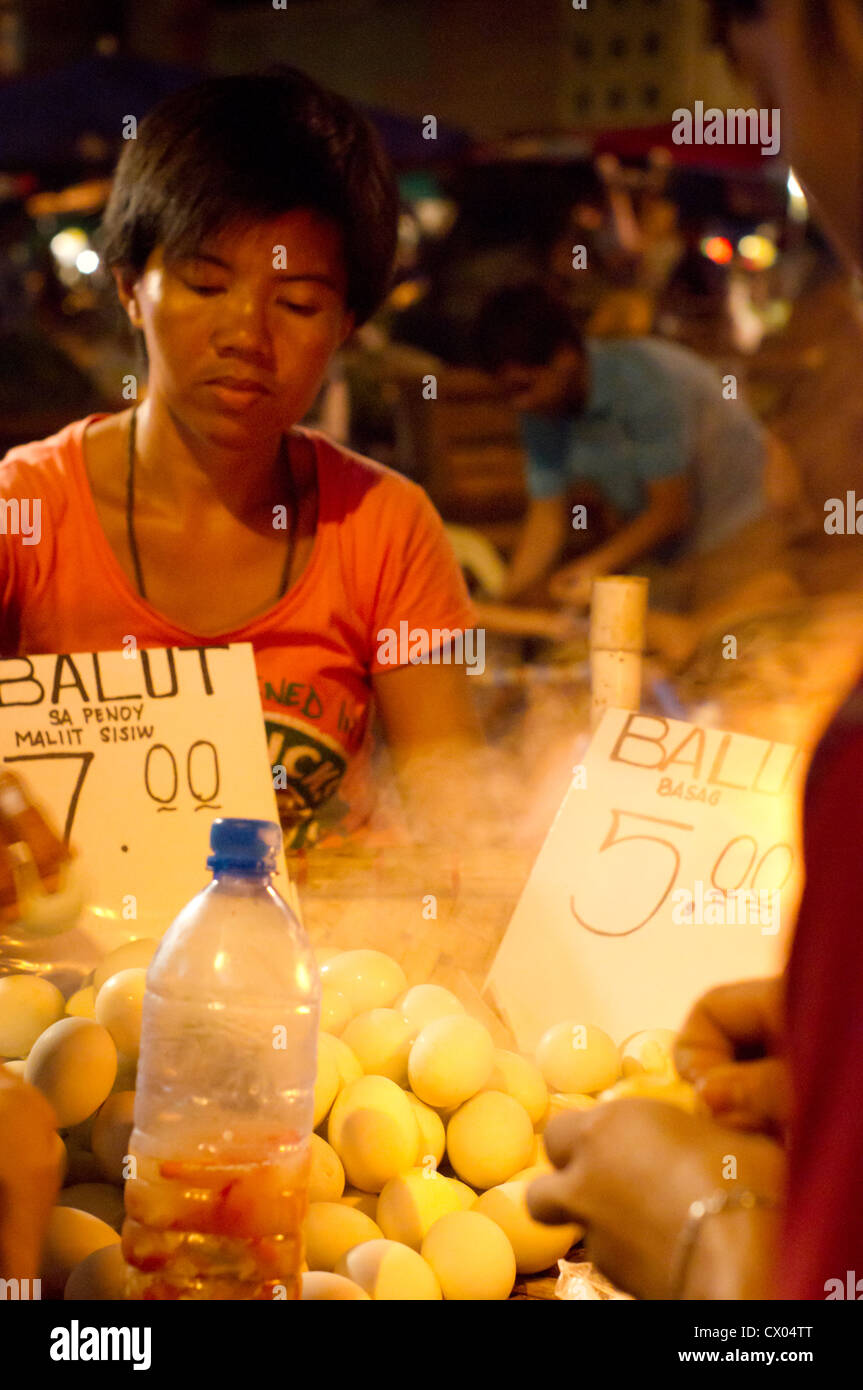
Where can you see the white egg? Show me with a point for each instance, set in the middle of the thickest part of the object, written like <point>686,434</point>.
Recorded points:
<point>577,1057</point>
<point>451,1059</point>
<point>82,1004</point>
<point>432,1132</point>
<point>380,1040</point>
<point>112,1130</point>
<point>366,1202</point>
<point>119,1005</point>
<point>411,1203</point>
<point>326,1176</point>
<point>332,1228</point>
<point>368,979</point>
<point>126,957</point>
<point>70,1237</point>
<point>374,1131</point>
<point>424,1003</point>
<point>336,1010</point>
<point>651,1050</point>
<point>73,1064</point>
<point>471,1257</point>
<point>327,1080</point>
<point>390,1271</point>
<point>100,1278</point>
<point>347,1065</point>
<point>28,1005</point>
<point>536,1245</point>
<point>489,1138</point>
<point>522,1079</point>
<point>320,1287</point>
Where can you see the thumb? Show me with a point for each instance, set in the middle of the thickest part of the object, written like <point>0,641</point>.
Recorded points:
<point>748,1094</point>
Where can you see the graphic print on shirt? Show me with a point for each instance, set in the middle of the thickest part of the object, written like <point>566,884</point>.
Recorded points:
<point>307,770</point>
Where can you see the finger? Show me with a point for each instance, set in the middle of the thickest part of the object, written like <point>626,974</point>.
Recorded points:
<point>726,1021</point>
<point>10,909</point>
<point>748,1094</point>
<point>21,822</point>
<point>551,1199</point>
<point>564,1135</point>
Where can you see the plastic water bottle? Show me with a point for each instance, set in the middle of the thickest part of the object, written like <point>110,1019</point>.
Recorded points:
<point>218,1179</point>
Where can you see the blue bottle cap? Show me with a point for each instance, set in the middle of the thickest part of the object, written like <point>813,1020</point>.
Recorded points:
<point>243,846</point>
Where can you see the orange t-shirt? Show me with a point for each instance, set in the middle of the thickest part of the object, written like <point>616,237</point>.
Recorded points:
<point>380,557</point>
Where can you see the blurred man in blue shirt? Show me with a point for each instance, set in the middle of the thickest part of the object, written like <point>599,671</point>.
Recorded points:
<point>679,463</point>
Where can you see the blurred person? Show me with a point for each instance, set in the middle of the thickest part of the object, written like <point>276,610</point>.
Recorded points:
<point>687,473</point>
<point>250,228</point>
<point>782,1059</point>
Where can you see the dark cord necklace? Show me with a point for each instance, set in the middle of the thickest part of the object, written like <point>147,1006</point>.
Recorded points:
<point>284,458</point>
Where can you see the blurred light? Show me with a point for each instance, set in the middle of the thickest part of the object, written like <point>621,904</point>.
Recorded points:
<point>758,251</point>
<point>87,262</point>
<point>798,207</point>
<point>67,246</point>
<point>435,215</point>
<point>717,249</point>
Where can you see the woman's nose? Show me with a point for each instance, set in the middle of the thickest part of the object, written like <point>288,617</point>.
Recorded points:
<point>243,322</point>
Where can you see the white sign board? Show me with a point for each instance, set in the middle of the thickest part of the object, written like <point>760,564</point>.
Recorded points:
<point>672,865</point>
<point>133,757</point>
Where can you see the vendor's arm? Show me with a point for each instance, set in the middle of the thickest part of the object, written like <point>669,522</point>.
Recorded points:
<point>539,547</point>
<point>667,513</point>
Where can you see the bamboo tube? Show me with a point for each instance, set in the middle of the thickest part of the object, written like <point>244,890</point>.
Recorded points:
<point>618,610</point>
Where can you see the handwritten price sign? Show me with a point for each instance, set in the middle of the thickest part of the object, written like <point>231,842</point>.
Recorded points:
<point>125,752</point>
<point>672,865</point>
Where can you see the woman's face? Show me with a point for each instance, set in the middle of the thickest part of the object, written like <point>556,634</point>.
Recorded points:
<point>238,336</point>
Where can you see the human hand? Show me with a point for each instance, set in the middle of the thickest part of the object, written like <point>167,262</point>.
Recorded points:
<point>22,822</point>
<point>729,1049</point>
<point>29,1175</point>
<point>628,1171</point>
<point>572,584</point>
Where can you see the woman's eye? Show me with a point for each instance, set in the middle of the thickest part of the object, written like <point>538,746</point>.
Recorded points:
<point>202,289</point>
<point>306,310</point>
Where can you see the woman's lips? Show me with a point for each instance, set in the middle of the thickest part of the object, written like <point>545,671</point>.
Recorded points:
<point>237,395</point>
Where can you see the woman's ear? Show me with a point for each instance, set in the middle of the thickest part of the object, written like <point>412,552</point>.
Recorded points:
<point>125,281</point>
<point>348,325</point>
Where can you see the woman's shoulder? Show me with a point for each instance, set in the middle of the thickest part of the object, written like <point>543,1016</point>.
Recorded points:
<point>358,484</point>
<point>42,462</point>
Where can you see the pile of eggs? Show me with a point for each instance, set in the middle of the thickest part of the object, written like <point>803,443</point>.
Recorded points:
<point>426,1134</point>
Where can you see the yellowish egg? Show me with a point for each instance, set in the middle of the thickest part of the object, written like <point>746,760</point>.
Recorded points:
<point>366,1202</point>
<point>127,1073</point>
<point>522,1079</point>
<point>336,1011</point>
<point>465,1194</point>
<point>71,1236</point>
<point>82,1166</point>
<point>389,1271</point>
<point>669,1089</point>
<point>119,1005</point>
<point>374,1131</point>
<point>324,953</point>
<point>368,979</point>
<point>380,1040</point>
<point>16,1067</point>
<point>126,957</point>
<point>62,1158</point>
<point>558,1101</point>
<point>471,1257</point>
<point>73,1064</point>
<point>347,1065</point>
<point>536,1245</point>
<point>82,1004</point>
<point>320,1287</point>
<point>649,1051</point>
<point>28,1005</point>
<point>100,1278</point>
<point>327,1176</point>
<point>411,1203</point>
<point>112,1130</point>
<point>424,1003</point>
<point>327,1081</point>
<point>577,1057</point>
<point>331,1229</point>
<point>451,1059</point>
<point>489,1138</point>
<point>100,1199</point>
<point>432,1132</point>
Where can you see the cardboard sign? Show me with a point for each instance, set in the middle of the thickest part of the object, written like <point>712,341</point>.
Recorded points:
<point>134,755</point>
<point>672,865</point>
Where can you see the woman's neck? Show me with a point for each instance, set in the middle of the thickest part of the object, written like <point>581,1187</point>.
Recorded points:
<point>180,469</point>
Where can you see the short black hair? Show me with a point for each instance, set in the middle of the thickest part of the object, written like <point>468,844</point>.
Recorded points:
<point>524,324</point>
<point>232,149</point>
